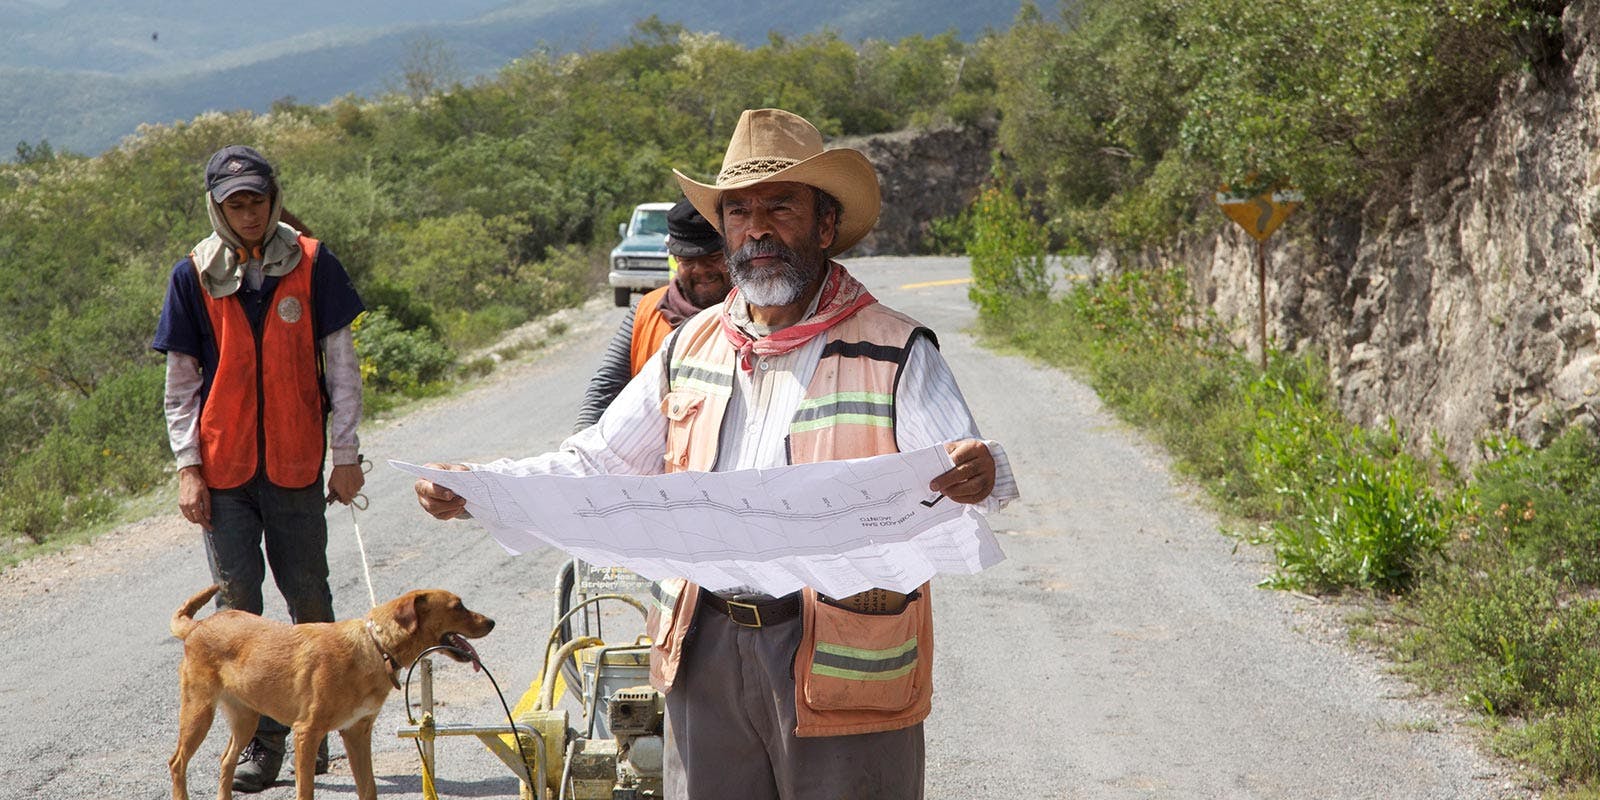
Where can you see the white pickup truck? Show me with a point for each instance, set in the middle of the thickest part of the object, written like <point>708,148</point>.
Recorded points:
<point>639,263</point>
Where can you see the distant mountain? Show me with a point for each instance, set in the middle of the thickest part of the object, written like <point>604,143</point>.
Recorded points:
<point>85,73</point>
<point>152,37</point>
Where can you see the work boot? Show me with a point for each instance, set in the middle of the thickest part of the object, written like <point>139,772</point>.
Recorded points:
<point>258,767</point>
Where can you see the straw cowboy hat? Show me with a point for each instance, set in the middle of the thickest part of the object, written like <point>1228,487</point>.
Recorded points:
<point>771,145</point>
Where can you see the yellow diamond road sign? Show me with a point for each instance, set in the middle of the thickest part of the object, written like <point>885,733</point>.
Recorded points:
<point>1262,214</point>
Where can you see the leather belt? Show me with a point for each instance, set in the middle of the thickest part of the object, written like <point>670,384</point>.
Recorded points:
<point>752,615</point>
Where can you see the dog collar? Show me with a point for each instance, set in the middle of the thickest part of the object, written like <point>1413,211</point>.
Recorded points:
<point>389,663</point>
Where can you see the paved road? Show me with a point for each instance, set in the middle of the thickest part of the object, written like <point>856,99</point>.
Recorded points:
<point>1121,651</point>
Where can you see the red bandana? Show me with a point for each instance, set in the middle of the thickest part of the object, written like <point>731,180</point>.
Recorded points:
<point>841,297</point>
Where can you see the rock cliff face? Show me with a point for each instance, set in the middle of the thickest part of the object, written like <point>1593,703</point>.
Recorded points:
<point>925,174</point>
<point>1471,303</point>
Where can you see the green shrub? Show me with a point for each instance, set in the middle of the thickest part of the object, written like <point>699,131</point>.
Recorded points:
<point>1510,620</point>
<point>949,235</point>
<point>1159,361</point>
<point>114,441</point>
<point>1515,640</point>
<point>1122,113</point>
<point>1564,739</point>
<point>124,418</point>
<point>1498,629</point>
<point>51,487</point>
<point>1007,252</point>
<point>28,409</point>
<point>462,261</point>
<point>1351,507</point>
<point>564,278</point>
<point>396,359</point>
<point>477,328</point>
<point>477,367</point>
<point>401,306</point>
<point>350,212</point>
<point>1546,503</point>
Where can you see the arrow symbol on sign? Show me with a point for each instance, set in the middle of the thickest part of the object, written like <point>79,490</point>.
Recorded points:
<point>1266,215</point>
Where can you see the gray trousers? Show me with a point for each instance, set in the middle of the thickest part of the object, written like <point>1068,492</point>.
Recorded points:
<point>731,720</point>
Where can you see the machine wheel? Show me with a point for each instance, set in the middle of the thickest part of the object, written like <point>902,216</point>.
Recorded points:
<point>621,295</point>
<point>564,587</point>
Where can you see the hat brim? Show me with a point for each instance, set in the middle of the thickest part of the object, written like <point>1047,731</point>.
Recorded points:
<point>693,248</point>
<point>224,189</point>
<point>843,173</point>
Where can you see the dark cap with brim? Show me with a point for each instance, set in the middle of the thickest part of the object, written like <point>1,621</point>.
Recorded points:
<point>237,168</point>
<point>689,235</point>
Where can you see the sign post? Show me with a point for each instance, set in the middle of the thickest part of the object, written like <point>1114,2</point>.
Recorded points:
<point>1259,216</point>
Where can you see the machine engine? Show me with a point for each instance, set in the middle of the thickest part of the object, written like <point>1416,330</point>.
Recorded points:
<point>628,765</point>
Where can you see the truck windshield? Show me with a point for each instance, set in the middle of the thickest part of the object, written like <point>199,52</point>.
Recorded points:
<point>647,221</point>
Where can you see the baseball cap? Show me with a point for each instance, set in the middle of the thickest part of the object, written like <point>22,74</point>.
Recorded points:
<point>237,168</point>
<point>689,235</point>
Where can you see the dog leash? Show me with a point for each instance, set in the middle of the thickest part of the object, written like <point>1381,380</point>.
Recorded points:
<point>359,503</point>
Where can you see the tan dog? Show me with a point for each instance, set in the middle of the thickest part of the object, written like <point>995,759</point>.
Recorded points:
<point>315,677</point>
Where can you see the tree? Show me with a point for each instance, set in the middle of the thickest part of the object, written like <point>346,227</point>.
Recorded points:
<point>36,153</point>
<point>428,68</point>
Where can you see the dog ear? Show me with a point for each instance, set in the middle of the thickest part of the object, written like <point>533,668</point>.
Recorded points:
<point>405,612</point>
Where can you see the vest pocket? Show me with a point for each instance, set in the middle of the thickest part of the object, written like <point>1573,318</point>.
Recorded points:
<point>661,621</point>
<point>682,409</point>
<point>861,662</point>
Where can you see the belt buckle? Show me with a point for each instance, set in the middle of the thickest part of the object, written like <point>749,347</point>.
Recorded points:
<point>755,614</point>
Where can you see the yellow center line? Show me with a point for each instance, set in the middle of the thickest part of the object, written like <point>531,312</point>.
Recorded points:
<point>927,284</point>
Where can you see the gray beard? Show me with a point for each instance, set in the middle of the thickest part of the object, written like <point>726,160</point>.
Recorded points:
<point>780,289</point>
<point>770,287</point>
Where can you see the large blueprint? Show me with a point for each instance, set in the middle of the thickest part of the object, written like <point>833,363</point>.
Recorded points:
<point>840,527</point>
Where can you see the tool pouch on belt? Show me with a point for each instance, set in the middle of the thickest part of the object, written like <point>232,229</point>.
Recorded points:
<point>863,671</point>
<point>672,606</point>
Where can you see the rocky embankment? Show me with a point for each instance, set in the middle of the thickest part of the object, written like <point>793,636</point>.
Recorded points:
<point>1465,301</point>
<point>926,174</point>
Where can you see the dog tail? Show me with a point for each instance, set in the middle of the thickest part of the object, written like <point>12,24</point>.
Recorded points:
<point>183,618</point>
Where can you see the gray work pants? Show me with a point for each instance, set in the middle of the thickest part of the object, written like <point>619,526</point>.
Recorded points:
<point>731,720</point>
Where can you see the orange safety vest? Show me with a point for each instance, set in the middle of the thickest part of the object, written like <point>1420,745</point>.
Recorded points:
<point>650,328</point>
<point>854,672</point>
<point>266,391</point>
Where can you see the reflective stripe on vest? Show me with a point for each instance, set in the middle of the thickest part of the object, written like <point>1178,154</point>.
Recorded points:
<point>856,408</point>
<point>853,663</point>
<point>665,595</point>
<point>267,389</point>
